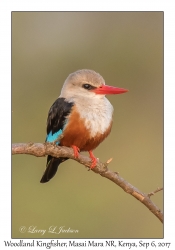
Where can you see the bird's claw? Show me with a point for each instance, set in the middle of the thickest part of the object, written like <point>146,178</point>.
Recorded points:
<point>76,151</point>
<point>94,160</point>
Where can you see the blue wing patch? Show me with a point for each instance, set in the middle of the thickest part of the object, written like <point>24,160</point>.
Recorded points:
<point>52,137</point>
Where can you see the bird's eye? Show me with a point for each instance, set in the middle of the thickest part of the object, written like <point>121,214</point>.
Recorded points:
<point>88,86</point>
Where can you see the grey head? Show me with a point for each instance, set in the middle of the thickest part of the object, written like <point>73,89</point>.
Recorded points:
<point>81,83</point>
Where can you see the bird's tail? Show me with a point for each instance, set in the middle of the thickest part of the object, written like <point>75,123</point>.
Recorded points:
<point>51,168</point>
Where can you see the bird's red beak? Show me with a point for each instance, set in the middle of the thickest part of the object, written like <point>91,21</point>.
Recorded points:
<point>109,90</point>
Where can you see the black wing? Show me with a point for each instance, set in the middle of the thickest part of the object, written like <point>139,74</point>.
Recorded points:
<point>55,123</point>
<point>57,114</point>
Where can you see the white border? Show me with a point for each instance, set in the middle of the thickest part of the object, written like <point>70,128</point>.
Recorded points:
<point>5,93</point>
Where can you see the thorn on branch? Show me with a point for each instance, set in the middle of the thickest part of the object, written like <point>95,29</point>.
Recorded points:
<point>107,163</point>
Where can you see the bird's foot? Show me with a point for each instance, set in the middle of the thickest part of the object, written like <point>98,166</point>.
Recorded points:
<point>94,160</point>
<point>76,151</point>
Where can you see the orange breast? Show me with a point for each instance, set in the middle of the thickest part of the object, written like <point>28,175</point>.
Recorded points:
<point>77,134</point>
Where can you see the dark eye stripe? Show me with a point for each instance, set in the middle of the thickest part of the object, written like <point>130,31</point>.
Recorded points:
<point>88,86</point>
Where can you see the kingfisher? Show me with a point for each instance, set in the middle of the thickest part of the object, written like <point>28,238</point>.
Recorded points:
<point>80,118</point>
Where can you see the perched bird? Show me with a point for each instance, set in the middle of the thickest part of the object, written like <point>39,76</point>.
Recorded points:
<point>80,118</point>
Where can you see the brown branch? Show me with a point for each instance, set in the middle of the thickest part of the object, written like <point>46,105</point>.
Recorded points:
<point>40,150</point>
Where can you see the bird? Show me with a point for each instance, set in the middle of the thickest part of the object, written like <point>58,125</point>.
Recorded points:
<point>80,118</point>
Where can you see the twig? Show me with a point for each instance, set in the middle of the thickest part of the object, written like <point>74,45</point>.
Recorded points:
<point>157,190</point>
<point>40,150</point>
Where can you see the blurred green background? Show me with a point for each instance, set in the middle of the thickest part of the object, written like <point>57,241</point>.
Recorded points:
<point>126,48</point>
